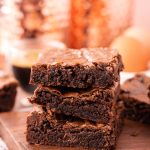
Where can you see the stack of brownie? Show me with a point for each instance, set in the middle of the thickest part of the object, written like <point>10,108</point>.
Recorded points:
<point>76,99</point>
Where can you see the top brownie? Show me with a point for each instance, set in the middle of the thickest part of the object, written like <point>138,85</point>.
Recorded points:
<point>93,67</point>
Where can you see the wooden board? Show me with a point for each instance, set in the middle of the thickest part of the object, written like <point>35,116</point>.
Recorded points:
<point>135,136</point>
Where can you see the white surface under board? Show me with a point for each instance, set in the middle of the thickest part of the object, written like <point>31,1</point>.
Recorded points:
<point>127,75</point>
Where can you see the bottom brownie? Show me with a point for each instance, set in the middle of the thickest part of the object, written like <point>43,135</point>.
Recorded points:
<point>135,95</point>
<point>61,130</point>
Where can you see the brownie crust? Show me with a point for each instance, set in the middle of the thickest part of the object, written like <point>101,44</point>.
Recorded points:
<point>45,129</point>
<point>77,68</point>
<point>94,104</point>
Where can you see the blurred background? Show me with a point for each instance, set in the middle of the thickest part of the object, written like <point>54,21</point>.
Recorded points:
<point>142,14</point>
<point>28,27</point>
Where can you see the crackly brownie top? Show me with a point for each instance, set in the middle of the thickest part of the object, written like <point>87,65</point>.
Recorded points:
<point>6,80</point>
<point>83,56</point>
<point>138,88</point>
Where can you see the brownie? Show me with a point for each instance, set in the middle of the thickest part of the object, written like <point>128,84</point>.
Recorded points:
<point>61,130</point>
<point>91,104</point>
<point>135,94</point>
<point>8,90</point>
<point>93,67</point>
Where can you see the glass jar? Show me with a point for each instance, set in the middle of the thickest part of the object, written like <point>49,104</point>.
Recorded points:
<point>23,54</point>
<point>96,23</point>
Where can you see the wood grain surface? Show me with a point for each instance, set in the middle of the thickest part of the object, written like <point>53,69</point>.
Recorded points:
<point>135,136</point>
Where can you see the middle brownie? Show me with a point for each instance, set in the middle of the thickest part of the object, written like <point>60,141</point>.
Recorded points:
<point>91,104</point>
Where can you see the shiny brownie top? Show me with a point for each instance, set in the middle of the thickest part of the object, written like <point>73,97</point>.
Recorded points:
<point>82,56</point>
